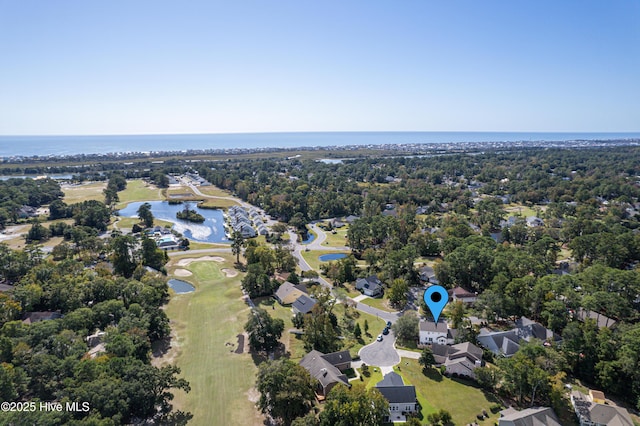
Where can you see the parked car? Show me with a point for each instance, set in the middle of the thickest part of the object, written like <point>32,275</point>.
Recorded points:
<point>385,331</point>
<point>388,324</point>
<point>379,339</point>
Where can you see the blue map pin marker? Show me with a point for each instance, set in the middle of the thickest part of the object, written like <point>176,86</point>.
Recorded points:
<point>436,298</point>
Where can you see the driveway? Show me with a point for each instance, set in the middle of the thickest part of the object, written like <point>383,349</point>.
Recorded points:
<point>381,354</point>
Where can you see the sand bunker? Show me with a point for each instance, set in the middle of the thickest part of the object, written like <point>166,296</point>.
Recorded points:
<point>229,272</point>
<point>182,273</point>
<point>188,261</point>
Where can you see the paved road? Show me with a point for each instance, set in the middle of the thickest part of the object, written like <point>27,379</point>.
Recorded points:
<point>387,316</point>
<point>381,354</point>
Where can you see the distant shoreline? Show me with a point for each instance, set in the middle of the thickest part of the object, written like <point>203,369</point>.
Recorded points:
<point>127,146</point>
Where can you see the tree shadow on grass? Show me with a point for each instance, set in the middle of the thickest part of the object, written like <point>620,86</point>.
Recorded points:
<point>159,348</point>
<point>279,352</point>
<point>432,374</point>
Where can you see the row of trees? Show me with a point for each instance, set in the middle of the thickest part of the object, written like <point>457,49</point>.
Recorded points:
<point>48,360</point>
<point>286,394</point>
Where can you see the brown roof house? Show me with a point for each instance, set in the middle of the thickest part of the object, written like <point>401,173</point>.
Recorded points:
<point>287,293</point>
<point>328,369</point>
<point>462,295</point>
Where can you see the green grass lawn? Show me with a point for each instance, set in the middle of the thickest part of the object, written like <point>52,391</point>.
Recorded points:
<point>294,343</point>
<point>128,222</point>
<point>524,211</point>
<point>84,192</point>
<point>338,239</point>
<point>218,203</point>
<point>380,303</point>
<point>214,191</point>
<point>375,327</point>
<point>138,190</point>
<point>460,398</point>
<point>206,323</point>
<point>374,377</point>
<point>312,257</point>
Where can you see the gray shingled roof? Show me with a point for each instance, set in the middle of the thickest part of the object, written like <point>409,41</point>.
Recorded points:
<point>304,304</point>
<point>317,366</point>
<point>537,416</point>
<point>392,387</point>
<point>336,358</point>
<point>431,326</point>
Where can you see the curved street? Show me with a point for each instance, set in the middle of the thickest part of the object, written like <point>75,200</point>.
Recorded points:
<point>381,354</point>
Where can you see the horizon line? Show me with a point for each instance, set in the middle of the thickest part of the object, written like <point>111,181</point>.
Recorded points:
<point>305,132</point>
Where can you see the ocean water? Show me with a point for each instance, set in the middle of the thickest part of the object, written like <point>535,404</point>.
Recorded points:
<point>11,146</point>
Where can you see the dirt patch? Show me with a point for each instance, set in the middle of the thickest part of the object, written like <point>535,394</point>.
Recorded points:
<point>240,348</point>
<point>182,273</point>
<point>188,261</point>
<point>229,272</point>
<point>165,351</point>
<point>253,395</point>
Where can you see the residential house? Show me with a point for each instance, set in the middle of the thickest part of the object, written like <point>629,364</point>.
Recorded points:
<point>591,413</point>
<point>507,343</point>
<point>288,293</point>
<point>96,344</point>
<point>27,211</point>
<point>428,275</point>
<point>328,369</point>
<point>462,295</point>
<point>370,286</point>
<point>440,333</point>
<point>535,416</point>
<point>31,317</point>
<point>533,221</point>
<point>602,321</point>
<point>460,359</point>
<point>503,343</point>
<point>4,287</point>
<point>350,219</point>
<point>402,398</point>
<point>303,305</point>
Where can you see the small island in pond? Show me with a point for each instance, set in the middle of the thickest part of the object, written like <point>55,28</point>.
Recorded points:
<point>190,215</point>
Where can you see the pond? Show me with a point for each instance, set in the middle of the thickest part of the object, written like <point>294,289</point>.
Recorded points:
<point>180,287</point>
<point>210,231</point>
<point>331,256</point>
<point>310,237</point>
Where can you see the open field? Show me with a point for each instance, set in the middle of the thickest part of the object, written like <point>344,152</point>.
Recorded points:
<point>460,398</point>
<point>312,258</point>
<point>138,190</point>
<point>83,192</point>
<point>379,303</point>
<point>206,323</point>
<point>214,191</point>
<point>220,203</point>
<point>521,209</point>
<point>339,239</point>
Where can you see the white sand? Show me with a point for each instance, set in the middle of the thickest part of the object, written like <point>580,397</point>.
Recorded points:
<point>188,261</point>
<point>182,273</point>
<point>229,272</point>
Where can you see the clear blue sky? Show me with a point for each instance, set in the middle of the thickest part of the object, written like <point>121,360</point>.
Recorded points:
<point>139,66</point>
